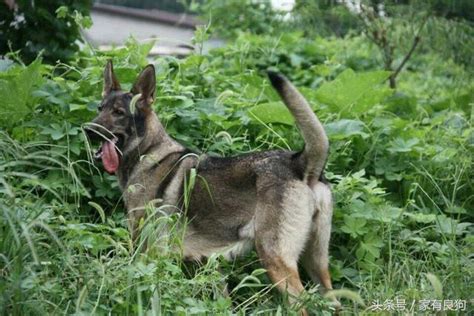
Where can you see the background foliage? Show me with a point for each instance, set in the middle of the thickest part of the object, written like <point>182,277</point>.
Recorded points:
<point>400,166</point>
<point>47,27</point>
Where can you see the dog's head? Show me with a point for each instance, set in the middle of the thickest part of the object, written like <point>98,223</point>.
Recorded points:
<point>117,124</point>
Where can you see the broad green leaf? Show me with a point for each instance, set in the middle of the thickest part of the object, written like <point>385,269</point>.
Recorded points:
<point>403,146</point>
<point>388,214</point>
<point>354,226</point>
<point>345,128</point>
<point>354,92</point>
<point>446,225</point>
<point>372,249</point>
<point>16,88</point>
<point>272,112</point>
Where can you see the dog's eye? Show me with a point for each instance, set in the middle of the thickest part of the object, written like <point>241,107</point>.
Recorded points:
<point>119,111</point>
<point>100,107</point>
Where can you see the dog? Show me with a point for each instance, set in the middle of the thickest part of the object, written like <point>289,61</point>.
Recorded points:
<point>276,202</point>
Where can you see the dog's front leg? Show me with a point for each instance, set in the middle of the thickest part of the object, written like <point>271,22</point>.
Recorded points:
<point>134,217</point>
<point>149,226</point>
<point>139,198</point>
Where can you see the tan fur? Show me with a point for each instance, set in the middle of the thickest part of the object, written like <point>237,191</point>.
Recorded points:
<point>317,143</point>
<point>276,201</point>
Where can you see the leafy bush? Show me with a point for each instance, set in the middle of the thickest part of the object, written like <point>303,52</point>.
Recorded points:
<point>229,18</point>
<point>48,27</point>
<point>400,166</point>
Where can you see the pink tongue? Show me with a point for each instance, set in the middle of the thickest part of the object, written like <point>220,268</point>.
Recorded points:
<point>110,158</point>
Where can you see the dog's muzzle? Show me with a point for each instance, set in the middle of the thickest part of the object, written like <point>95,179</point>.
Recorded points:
<point>108,152</point>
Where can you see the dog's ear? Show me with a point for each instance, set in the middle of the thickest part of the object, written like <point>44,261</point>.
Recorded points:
<point>146,85</point>
<point>110,81</point>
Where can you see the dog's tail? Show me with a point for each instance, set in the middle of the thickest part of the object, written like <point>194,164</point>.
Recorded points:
<point>316,142</point>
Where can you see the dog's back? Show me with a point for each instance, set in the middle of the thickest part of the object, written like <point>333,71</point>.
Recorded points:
<point>224,199</point>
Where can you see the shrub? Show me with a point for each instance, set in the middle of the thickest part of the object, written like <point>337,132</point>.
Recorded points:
<point>48,27</point>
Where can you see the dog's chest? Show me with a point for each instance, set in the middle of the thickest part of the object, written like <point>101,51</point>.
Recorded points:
<point>148,181</point>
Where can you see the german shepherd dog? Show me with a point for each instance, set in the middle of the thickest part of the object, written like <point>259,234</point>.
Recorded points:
<point>276,202</point>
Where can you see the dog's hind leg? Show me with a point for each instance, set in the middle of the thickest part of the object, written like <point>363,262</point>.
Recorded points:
<point>282,224</point>
<point>284,274</point>
<point>315,259</point>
